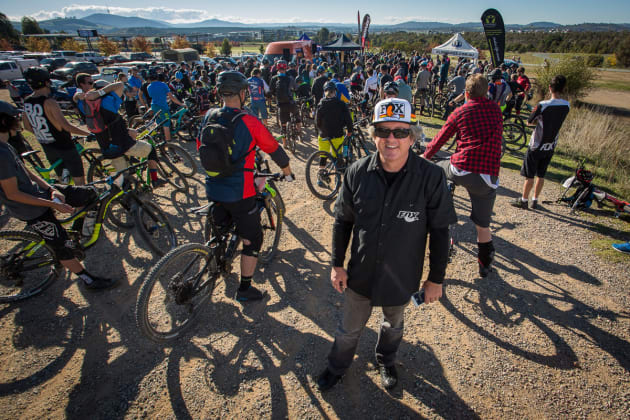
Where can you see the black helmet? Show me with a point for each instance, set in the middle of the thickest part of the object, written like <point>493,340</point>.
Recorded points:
<point>36,77</point>
<point>330,86</point>
<point>231,82</point>
<point>265,61</point>
<point>391,87</point>
<point>496,74</point>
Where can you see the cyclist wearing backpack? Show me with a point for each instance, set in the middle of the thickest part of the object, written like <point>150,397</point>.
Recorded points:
<point>282,87</point>
<point>100,108</point>
<point>227,143</point>
<point>43,117</point>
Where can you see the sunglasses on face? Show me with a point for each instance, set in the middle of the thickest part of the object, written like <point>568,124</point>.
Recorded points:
<point>399,133</point>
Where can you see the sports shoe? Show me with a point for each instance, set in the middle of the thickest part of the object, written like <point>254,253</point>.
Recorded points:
<point>625,247</point>
<point>158,183</point>
<point>484,270</point>
<point>249,294</point>
<point>519,203</point>
<point>327,380</point>
<point>99,283</point>
<point>534,205</point>
<point>389,376</point>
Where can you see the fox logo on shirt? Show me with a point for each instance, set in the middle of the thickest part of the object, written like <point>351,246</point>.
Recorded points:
<point>409,216</point>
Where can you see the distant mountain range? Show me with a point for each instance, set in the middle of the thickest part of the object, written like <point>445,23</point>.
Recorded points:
<point>108,23</point>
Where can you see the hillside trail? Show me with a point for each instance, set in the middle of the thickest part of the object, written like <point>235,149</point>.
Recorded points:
<point>545,335</point>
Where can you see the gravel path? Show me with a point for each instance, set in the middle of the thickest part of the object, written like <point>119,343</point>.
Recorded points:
<point>546,335</point>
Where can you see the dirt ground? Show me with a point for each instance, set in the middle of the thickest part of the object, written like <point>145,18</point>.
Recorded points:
<point>545,335</point>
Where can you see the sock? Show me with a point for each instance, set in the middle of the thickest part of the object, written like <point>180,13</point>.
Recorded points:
<point>534,198</point>
<point>153,174</point>
<point>524,200</point>
<point>485,253</point>
<point>246,282</point>
<point>85,276</point>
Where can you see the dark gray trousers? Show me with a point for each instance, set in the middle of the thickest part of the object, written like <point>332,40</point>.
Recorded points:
<point>356,312</point>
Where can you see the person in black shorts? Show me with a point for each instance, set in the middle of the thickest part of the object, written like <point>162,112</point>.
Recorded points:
<point>29,198</point>
<point>548,117</point>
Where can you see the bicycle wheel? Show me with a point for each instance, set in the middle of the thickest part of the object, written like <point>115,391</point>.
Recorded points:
<point>438,106</point>
<point>513,137</point>
<point>175,290</point>
<point>155,228</point>
<point>304,111</point>
<point>27,265</point>
<point>187,130</point>
<point>323,181</point>
<point>515,119</point>
<point>171,174</point>
<point>181,159</point>
<point>271,216</point>
<point>98,170</point>
<point>119,212</point>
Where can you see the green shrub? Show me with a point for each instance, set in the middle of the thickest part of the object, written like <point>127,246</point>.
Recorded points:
<point>579,76</point>
<point>595,60</point>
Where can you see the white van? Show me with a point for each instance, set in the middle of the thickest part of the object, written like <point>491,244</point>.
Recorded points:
<point>90,56</point>
<point>9,70</point>
<point>68,55</point>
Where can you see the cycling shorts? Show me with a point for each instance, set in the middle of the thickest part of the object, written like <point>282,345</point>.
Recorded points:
<point>286,110</point>
<point>141,149</point>
<point>259,109</point>
<point>165,115</point>
<point>71,160</point>
<point>535,163</point>
<point>246,216</point>
<point>324,145</point>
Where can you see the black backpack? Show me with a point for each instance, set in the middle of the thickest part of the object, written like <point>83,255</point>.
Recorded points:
<point>283,85</point>
<point>216,141</point>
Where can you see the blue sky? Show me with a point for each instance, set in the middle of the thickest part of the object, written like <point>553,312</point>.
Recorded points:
<point>382,12</point>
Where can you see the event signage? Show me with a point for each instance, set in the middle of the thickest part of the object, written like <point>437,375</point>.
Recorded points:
<point>364,29</point>
<point>495,34</point>
<point>87,33</point>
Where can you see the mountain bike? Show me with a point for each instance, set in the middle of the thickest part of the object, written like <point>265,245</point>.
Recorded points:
<point>32,158</point>
<point>586,192</point>
<point>307,110</point>
<point>28,265</point>
<point>177,287</point>
<point>325,169</point>
<point>514,137</point>
<point>291,134</point>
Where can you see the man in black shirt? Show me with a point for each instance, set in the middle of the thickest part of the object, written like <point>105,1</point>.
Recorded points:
<point>389,202</point>
<point>548,117</point>
<point>317,90</point>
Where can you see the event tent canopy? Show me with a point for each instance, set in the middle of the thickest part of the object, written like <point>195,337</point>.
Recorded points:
<point>457,46</point>
<point>342,44</point>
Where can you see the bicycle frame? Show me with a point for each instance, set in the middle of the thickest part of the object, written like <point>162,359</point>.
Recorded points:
<point>45,172</point>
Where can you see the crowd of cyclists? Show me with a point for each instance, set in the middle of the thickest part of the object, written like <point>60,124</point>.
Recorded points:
<point>336,94</point>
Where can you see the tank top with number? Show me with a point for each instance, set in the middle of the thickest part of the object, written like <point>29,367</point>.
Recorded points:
<point>45,131</point>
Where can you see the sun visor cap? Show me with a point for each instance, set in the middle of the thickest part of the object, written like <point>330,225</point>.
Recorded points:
<point>393,109</point>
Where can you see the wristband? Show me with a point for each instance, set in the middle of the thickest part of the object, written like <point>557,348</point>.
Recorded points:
<point>101,92</point>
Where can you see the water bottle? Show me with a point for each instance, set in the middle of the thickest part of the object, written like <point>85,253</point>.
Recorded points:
<point>88,223</point>
<point>65,176</point>
<point>345,150</point>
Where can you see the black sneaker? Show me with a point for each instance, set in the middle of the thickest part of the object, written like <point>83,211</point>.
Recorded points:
<point>484,270</point>
<point>389,376</point>
<point>327,380</point>
<point>249,294</point>
<point>99,283</point>
<point>519,203</point>
<point>534,205</point>
<point>158,183</point>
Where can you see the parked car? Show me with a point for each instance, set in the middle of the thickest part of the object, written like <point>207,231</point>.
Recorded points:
<point>9,70</point>
<point>68,55</point>
<point>91,56</point>
<point>52,64</point>
<point>72,68</point>
<point>141,56</point>
<point>109,73</point>
<point>113,59</point>
<point>219,58</point>
<point>22,87</point>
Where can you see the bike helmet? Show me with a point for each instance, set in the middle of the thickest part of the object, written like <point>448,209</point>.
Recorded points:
<point>265,61</point>
<point>281,65</point>
<point>330,86</point>
<point>36,77</point>
<point>391,88</point>
<point>496,74</point>
<point>320,69</point>
<point>231,82</point>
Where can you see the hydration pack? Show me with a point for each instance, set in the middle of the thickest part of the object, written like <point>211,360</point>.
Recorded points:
<point>216,140</point>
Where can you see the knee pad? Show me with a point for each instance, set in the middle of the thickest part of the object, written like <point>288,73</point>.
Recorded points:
<point>252,249</point>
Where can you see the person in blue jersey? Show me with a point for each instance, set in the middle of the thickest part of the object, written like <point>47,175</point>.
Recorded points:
<point>257,90</point>
<point>135,81</point>
<point>117,141</point>
<point>342,90</point>
<point>160,93</point>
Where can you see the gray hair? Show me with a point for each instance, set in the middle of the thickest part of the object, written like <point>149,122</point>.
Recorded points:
<point>416,131</point>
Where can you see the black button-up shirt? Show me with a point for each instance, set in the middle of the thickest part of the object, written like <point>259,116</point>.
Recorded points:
<point>390,226</point>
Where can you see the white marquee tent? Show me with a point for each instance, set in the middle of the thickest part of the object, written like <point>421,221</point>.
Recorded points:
<point>457,46</point>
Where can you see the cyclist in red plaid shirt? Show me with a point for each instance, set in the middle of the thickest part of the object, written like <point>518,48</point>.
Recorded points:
<point>475,164</point>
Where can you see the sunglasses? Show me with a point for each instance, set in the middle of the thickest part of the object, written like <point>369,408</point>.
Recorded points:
<point>399,133</point>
